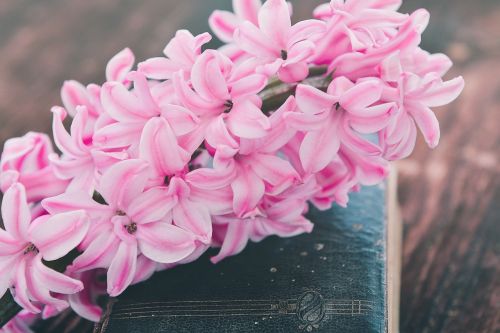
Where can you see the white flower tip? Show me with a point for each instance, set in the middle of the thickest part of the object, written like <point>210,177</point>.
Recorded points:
<point>216,259</point>
<point>114,291</point>
<point>59,111</point>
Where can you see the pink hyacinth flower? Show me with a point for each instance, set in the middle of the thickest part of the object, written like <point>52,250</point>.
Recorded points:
<point>222,90</point>
<point>277,45</point>
<point>119,66</point>
<point>224,23</point>
<point>75,95</point>
<point>134,221</point>
<point>415,95</point>
<point>283,218</point>
<point>327,10</point>
<point>76,164</point>
<point>181,53</point>
<point>25,243</point>
<point>252,167</point>
<point>336,181</point>
<point>26,160</point>
<point>355,65</point>
<point>336,118</point>
<point>130,111</point>
<point>356,26</point>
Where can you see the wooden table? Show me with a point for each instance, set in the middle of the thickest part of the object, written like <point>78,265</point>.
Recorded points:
<point>450,197</point>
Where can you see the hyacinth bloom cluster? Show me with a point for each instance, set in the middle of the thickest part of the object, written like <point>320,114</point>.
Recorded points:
<point>207,148</point>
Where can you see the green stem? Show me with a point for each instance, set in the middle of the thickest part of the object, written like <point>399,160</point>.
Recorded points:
<point>277,92</point>
<point>8,309</point>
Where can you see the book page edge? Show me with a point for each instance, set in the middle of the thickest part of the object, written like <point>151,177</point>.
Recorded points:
<point>394,252</point>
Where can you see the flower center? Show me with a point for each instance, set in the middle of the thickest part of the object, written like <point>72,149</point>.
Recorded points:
<point>284,54</point>
<point>131,228</point>
<point>229,106</point>
<point>31,248</point>
<point>120,213</point>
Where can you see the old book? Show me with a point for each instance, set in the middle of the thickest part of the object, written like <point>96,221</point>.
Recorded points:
<point>343,277</point>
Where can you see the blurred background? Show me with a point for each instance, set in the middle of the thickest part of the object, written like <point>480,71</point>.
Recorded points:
<point>450,197</point>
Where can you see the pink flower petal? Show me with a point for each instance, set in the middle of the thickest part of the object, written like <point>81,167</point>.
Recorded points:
<point>312,101</point>
<point>39,185</point>
<point>247,121</point>
<point>84,306</point>
<point>57,236</point>
<point>151,206</point>
<point>159,147</point>
<point>9,245</point>
<point>370,170</point>
<point>294,72</point>
<point>145,268</point>
<point>249,85</point>
<point>305,29</point>
<point>446,93</point>
<point>15,212</point>
<point>248,190</point>
<point>184,47</point>
<point>72,201</point>
<point>247,10</point>
<point>420,19</point>
<point>307,122</point>
<point>21,288</point>
<point>190,98</point>
<point>274,21</point>
<point>207,76</point>
<point>158,68</point>
<point>219,202</point>
<point>74,94</point>
<point>235,239</point>
<point>300,52</point>
<point>118,135</point>
<point>427,122</point>
<point>120,65</point>
<point>121,183</point>
<point>184,120</point>
<point>354,141</point>
<point>55,281</point>
<point>121,104</point>
<point>274,170</point>
<point>6,270</point>
<point>63,140</point>
<point>211,179</point>
<point>98,254</point>
<point>122,269</point>
<point>194,218</point>
<point>361,95</point>
<point>223,24</point>
<point>217,134</point>
<point>165,243</point>
<point>279,134</point>
<point>252,40</point>
<point>295,227</point>
<point>143,92</point>
<point>320,147</point>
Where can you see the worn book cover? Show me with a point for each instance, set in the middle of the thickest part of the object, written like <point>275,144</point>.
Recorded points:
<point>343,277</point>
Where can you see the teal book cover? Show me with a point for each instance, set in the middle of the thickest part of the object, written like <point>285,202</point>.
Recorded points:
<point>340,278</point>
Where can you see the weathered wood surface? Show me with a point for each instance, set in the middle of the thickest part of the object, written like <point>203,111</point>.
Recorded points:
<point>450,197</point>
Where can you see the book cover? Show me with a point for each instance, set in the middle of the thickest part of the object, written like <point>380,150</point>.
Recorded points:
<point>340,278</point>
